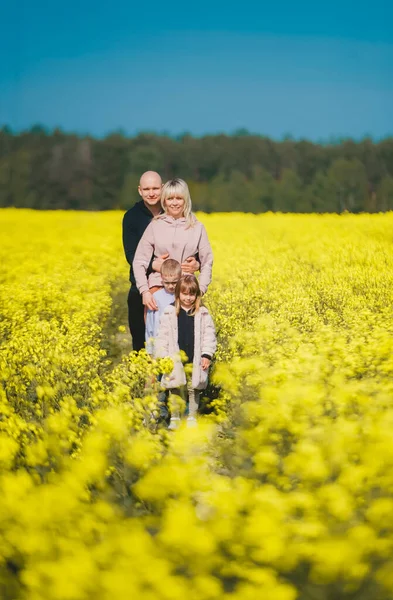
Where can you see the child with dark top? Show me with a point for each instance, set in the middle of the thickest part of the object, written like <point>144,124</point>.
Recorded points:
<point>186,325</point>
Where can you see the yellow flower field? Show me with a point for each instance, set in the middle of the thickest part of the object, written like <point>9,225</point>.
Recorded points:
<point>285,489</point>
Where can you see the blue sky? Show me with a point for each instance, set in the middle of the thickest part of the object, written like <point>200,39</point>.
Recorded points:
<point>307,69</point>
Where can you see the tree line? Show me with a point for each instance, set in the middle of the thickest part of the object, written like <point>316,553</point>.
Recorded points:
<point>241,172</point>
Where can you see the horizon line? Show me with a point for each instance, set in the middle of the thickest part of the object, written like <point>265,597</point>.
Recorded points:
<point>238,132</point>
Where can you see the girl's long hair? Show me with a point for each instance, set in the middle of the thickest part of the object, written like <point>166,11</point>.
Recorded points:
<point>188,283</point>
<point>179,187</point>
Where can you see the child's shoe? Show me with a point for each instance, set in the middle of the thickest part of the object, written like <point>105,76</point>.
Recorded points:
<point>174,423</point>
<point>191,422</point>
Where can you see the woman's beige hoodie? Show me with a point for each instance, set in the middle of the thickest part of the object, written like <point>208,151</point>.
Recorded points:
<point>173,236</point>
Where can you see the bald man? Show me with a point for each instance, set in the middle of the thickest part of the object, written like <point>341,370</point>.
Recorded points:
<point>135,221</point>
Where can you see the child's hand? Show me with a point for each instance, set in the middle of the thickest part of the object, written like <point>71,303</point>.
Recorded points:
<point>148,300</point>
<point>205,363</point>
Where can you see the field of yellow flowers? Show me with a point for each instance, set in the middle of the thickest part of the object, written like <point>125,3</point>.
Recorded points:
<point>284,491</point>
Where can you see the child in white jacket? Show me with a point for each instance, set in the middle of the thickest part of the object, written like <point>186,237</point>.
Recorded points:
<point>187,326</point>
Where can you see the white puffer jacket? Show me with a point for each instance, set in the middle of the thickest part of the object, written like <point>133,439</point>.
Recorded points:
<point>167,345</point>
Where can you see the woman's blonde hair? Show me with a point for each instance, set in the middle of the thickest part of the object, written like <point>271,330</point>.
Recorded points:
<point>179,187</point>
<point>188,283</point>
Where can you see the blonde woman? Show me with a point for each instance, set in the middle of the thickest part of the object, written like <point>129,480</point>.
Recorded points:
<point>176,233</point>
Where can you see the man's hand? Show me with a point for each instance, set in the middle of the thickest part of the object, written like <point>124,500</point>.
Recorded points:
<point>205,363</point>
<point>157,262</point>
<point>190,265</point>
<point>148,300</point>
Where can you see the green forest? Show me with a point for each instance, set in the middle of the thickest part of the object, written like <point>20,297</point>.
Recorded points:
<point>241,172</point>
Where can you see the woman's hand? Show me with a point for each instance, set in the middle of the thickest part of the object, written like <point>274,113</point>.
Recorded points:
<point>205,363</point>
<point>148,300</point>
<point>190,265</point>
<point>157,262</point>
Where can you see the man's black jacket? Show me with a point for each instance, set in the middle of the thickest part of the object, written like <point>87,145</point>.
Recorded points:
<point>135,222</point>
